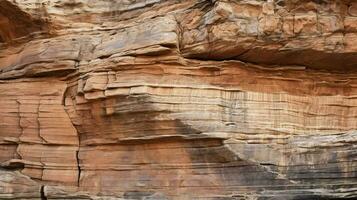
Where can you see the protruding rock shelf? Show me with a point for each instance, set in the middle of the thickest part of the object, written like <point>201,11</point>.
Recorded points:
<point>161,100</point>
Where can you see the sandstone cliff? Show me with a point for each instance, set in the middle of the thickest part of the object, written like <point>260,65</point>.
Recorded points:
<point>178,99</point>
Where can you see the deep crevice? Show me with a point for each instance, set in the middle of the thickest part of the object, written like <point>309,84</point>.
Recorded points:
<point>104,56</point>
<point>78,167</point>
<point>63,101</point>
<point>42,192</point>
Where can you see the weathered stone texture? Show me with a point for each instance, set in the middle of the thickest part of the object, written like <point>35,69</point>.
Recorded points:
<point>151,99</point>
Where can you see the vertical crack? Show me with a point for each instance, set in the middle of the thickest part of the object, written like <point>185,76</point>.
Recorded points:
<point>42,193</point>
<point>65,93</point>
<point>78,167</point>
<point>21,128</point>
<point>17,153</point>
<point>38,123</point>
<point>19,116</point>
<point>42,165</point>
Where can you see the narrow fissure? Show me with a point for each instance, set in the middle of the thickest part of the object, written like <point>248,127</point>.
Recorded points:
<point>42,192</point>
<point>77,152</point>
<point>39,124</point>
<point>19,116</point>
<point>79,168</point>
<point>21,128</point>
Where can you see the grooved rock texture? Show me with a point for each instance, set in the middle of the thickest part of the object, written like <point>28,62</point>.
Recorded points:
<point>179,99</point>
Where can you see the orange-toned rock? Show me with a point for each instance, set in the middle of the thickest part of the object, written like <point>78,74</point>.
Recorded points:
<point>178,99</point>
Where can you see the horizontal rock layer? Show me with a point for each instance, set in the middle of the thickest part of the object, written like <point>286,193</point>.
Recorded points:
<point>178,99</point>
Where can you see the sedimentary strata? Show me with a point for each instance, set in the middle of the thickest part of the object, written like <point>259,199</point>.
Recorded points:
<point>178,99</point>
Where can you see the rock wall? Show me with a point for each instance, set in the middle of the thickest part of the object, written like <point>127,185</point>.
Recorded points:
<point>179,99</point>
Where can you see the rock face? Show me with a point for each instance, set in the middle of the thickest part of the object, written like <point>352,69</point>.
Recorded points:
<point>181,99</point>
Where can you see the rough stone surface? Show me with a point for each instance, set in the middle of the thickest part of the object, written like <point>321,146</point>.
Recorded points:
<point>181,99</point>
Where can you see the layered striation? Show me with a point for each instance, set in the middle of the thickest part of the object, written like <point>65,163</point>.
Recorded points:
<point>178,99</point>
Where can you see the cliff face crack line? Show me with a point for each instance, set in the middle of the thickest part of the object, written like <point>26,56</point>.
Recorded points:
<point>42,192</point>
<point>39,124</point>
<point>78,168</point>
<point>19,116</point>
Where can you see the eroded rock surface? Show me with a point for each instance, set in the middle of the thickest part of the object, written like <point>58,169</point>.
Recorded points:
<point>152,99</point>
